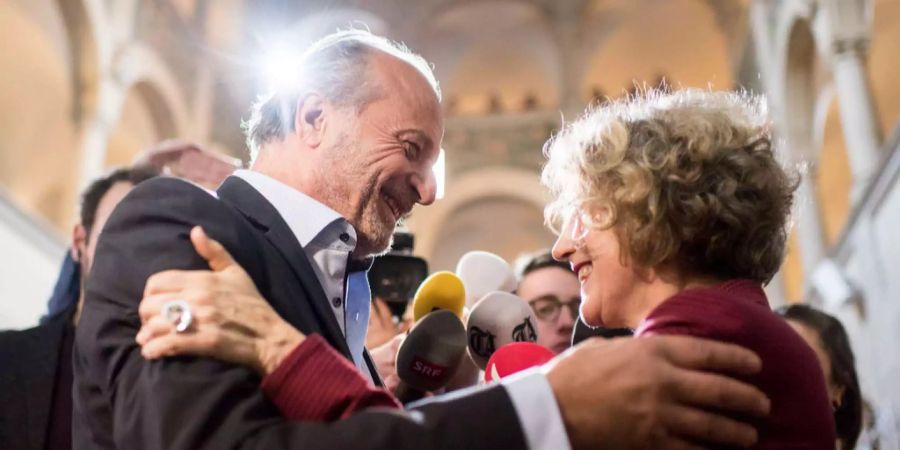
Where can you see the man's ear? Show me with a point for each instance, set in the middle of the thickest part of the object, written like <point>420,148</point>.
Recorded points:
<point>309,122</point>
<point>79,242</point>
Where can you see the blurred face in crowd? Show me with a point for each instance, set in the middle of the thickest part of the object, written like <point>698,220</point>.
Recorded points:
<point>614,294</point>
<point>553,294</point>
<point>84,245</point>
<point>835,391</point>
<point>381,164</point>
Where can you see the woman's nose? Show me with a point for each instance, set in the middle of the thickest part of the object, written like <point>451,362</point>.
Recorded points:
<point>564,246</point>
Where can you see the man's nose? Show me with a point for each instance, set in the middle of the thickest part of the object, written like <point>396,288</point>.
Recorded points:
<point>426,187</point>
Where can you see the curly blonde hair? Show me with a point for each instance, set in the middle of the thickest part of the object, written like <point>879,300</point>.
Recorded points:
<point>687,177</point>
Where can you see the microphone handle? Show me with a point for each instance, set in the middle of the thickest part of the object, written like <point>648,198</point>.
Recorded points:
<point>408,394</point>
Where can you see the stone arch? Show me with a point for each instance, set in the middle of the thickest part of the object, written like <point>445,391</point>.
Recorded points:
<point>138,66</point>
<point>144,119</point>
<point>689,53</point>
<point>148,105</point>
<point>476,45</point>
<point>493,186</point>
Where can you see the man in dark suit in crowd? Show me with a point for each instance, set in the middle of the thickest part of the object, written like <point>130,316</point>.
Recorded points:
<point>338,159</point>
<point>36,364</point>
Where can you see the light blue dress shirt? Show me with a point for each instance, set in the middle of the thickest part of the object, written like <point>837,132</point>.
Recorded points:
<point>327,240</point>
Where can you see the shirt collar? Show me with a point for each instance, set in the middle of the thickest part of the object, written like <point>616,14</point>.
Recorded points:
<point>308,219</point>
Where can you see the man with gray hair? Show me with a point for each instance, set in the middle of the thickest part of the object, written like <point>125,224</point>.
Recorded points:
<point>338,159</point>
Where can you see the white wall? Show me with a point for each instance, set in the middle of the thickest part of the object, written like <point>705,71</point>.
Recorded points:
<point>30,257</point>
<point>867,254</point>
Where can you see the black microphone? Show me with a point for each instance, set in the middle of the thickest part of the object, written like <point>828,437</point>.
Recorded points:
<point>429,355</point>
<point>582,331</point>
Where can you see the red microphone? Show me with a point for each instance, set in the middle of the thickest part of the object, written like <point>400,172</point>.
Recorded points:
<point>515,357</point>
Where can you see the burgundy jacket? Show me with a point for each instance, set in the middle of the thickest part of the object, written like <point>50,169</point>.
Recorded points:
<point>314,382</point>
<point>737,312</point>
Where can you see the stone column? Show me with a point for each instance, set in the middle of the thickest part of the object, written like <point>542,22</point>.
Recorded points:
<point>810,235</point>
<point>848,27</point>
<point>566,26</point>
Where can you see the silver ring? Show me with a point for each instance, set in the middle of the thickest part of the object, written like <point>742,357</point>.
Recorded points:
<point>179,313</point>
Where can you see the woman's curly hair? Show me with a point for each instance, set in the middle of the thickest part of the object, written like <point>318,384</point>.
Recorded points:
<point>687,177</point>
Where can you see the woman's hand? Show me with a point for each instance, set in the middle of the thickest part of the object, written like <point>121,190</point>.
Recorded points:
<point>231,320</point>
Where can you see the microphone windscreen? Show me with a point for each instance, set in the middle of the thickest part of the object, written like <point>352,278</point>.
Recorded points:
<point>496,320</point>
<point>441,290</point>
<point>483,272</point>
<point>429,355</point>
<point>582,331</point>
<point>515,357</point>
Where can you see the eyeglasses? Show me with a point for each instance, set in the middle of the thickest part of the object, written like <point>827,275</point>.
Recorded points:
<point>547,308</point>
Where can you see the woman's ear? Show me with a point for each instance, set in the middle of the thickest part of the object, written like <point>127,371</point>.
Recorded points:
<point>836,393</point>
<point>310,120</point>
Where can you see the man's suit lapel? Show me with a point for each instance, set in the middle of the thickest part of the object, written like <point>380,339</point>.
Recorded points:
<point>376,377</point>
<point>257,209</point>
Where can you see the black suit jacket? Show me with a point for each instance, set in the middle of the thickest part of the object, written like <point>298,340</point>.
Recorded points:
<point>29,361</point>
<point>124,401</point>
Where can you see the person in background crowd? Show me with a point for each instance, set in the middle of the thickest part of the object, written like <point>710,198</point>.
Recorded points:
<point>339,158</point>
<point>40,357</point>
<point>552,290</point>
<point>674,213</point>
<point>383,326</point>
<point>36,364</point>
<point>827,337</point>
<point>173,157</point>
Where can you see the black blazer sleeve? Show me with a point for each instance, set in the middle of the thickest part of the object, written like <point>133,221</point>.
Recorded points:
<point>124,401</point>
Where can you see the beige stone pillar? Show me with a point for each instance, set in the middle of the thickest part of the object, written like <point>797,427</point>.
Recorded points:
<point>848,27</point>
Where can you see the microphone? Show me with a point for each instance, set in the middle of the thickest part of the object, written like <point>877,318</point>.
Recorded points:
<point>441,290</point>
<point>582,331</point>
<point>429,355</point>
<point>483,272</point>
<point>515,357</point>
<point>498,319</point>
